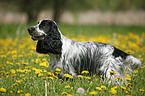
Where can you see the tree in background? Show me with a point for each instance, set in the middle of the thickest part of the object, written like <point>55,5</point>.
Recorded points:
<point>33,7</point>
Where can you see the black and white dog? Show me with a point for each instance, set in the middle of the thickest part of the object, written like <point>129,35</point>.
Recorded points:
<point>73,57</point>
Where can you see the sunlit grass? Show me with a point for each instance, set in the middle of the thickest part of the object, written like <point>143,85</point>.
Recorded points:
<point>23,72</point>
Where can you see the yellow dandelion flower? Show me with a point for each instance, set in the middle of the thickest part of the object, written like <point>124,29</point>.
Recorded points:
<point>123,87</point>
<point>98,88</point>
<point>57,69</point>
<point>129,84</point>
<point>87,77</point>
<point>20,55</point>
<point>141,59</point>
<point>127,78</point>
<point>24,63</point>
<point>43,78</point>
<point>40,74</point>
<point>93,92</point>
<point>44,59</point>
<point>49,73</point>
<point>3,90</point>
<point>85,72</point>
<point>60,80</point>
<point>119,78</point>
<point>27,94</point>
<point>67,86</point>
<point>13,71</point>
<point>103,87</point>
<point>17,63</point>
<point>112,72</point>
<point>113,91</point>
<point>21,94</point>
<point>64,93</point>
<point>18,81</point>
<point>115,87</point>
<point>2,72</point>
<point>11,91</point>
<point>81,76</point>
<point>141,90</point>
<point>50,78</point>
<point>31,78</point>
<point>19,91</point>
<point>135,71</point>
<point>141,67</point>
<point>68,75</point>
<point>43,64</point>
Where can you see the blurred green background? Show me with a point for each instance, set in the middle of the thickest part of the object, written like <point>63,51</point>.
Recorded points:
<point>95,12</point>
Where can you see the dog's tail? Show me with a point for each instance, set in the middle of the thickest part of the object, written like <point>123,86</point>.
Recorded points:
<point>132,63</point>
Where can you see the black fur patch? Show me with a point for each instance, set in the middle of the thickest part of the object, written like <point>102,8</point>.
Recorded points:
<point>118,53</point>
<point>52,42</point>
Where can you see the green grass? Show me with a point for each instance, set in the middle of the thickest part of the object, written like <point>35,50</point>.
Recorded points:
<point>23,71</point>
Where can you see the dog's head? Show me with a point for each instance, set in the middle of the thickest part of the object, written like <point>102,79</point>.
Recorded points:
<point>42,29</point>
<point>48,36</point>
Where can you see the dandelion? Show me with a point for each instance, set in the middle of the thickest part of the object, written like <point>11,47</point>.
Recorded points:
<point>93,92</point>
<point>87,77</point>
<point>129,84</point>
<point>112,72</point>
<point>51,78</point>
<point>67,86</point>
<point>11,91</point>
<point>40,74</point>
<point>141,67</point>
<point>119,78</point>
<point>45,64</point>
<point>141,59</point>
<point>103,87</point>
<point>57,69</point>
<point>64,93</point>
<point>24,63</point>
<point>2,72</point>
<point>13,71</point>
<point>127,78</point>
<point>80,90</point>
<point>27,94</point>
<point>123,87</point>
<point>142,90</point>
<point>113,91</point>
<point>98,88</point>
<point>85,72</point>
<point>80,76</point>
<point>31,78</point>
<point>19,91</point>
<point>17,63</point>
<point>135,71</point>
<point>18,81</point>
<point>68,75</point>
<point>3,90</point>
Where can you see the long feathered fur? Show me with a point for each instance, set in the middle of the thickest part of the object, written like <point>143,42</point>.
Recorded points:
<point>73,57</point>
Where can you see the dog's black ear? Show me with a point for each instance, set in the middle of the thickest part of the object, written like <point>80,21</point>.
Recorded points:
<point>52,41</point>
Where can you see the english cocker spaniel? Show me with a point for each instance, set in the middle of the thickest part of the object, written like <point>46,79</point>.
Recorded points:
<point>73,57</point>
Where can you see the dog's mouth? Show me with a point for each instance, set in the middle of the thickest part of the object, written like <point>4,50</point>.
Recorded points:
<point>40,37</point>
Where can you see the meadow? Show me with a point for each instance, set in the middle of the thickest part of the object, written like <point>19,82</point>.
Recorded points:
<point>24,72</point>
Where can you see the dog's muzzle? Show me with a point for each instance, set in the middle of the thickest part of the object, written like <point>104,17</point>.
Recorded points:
<point>35,35</point>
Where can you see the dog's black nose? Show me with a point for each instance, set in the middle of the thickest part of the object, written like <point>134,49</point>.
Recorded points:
<point>29,29</point>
